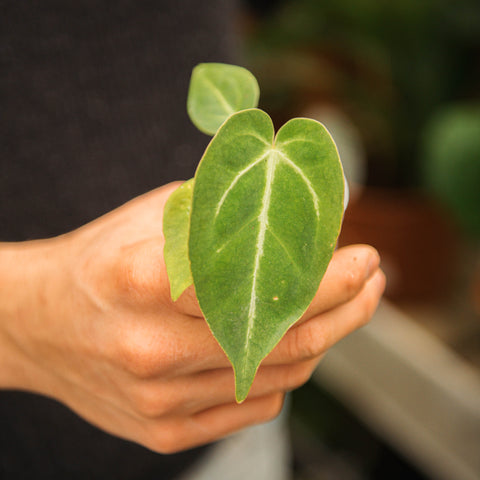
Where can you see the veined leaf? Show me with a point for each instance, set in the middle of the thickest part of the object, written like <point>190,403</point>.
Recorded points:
<point>176,226</point>
<point>216,91</point>
<point>266,215</point>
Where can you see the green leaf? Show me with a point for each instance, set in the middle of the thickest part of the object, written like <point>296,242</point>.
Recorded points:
<point>176,226</point>
<point>216,91</point>
<point>266,215</point>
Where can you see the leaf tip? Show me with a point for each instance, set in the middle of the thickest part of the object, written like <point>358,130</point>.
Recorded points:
<point>241,394</point>
<point>243,381</point>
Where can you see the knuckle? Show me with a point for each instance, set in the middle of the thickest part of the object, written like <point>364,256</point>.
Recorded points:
<point>137,273</point>
<point>298,375</point>
<point>274,406</point>
<point>166,448</point>
<point>149,403</point>
<point>162,444</point>
<point>366,312</point>
<point>142,356</point>
<point>367,309</point>
<point>303,343</point>
<point>167,439</point>
<point>368,301</point>
<point>139,363</point>
<point>352,282</point>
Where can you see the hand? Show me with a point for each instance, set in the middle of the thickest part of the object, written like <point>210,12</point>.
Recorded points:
<point>87,318</point>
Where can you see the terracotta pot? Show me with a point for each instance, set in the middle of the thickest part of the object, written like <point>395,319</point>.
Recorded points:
<point>415,238</point>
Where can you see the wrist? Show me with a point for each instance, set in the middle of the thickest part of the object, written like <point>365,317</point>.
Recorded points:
<point>24,281</point>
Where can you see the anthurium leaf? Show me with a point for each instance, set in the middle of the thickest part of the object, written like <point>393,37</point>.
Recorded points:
<point>176,226</point>
<point>216,91</point>
<point>266,214</point>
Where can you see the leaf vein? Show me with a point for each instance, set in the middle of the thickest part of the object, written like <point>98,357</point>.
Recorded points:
<point>232,237</point>
<point>250,134</point>
<point>284,248</point>
<point>220,97</point>
<point>298,170</point>
<point>303,140</point>
<point>235,181</point>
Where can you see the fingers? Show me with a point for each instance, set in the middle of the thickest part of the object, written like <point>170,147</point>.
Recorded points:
<point>141,280</point>
<point>315,336</point>
<point>348,279</point>
<point>170,342</point>
<point>178,412</point>
<point>347,272</point>
<point>289,365</point>
<point>345,277</point>
<point>175,434</point>
<point>194,393</point>
<point>172,433</point>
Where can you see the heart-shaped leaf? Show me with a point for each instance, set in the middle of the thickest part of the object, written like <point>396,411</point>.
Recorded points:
<point>176,226</point>
<point>266,215</point>
<point>216,91</point>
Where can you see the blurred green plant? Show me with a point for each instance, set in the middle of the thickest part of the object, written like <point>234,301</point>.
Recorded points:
<point>387,64</point>
<point>451,167</point>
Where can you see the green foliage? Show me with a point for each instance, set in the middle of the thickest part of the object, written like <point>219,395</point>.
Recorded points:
<point>388,64</point>
<point>176,228</point>
<point>451,150</point>
<point>218,90</point>
<point>265,216</point>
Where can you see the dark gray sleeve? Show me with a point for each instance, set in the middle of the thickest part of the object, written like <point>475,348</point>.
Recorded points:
<point>93,100</point>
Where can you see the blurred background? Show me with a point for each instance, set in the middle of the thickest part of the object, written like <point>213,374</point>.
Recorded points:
<point>398,85</point>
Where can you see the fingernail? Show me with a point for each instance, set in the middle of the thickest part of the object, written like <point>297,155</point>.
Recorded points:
<point>373,264</point>
<point>381,282</point>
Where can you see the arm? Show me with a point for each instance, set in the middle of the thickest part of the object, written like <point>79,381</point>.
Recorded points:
<point>86,318</point>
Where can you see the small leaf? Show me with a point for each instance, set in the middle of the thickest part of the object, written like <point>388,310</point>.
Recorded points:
<point>266,215</point>
<point>216,91</point>
<point>176,226</point>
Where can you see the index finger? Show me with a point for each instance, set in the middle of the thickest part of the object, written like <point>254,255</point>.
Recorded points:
<point>346,275</point>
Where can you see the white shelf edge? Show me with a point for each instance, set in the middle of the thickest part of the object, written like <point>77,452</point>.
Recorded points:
<point>438,424</point>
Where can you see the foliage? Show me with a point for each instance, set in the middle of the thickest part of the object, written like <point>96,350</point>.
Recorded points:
<point>265,215</point>
<point>389,65</point>
<point>451,152</point>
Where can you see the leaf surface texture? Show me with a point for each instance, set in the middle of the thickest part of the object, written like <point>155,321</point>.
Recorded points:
<point>266,214</point>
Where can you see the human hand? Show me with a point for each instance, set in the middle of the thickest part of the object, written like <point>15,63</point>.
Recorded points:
<point>87,319</point>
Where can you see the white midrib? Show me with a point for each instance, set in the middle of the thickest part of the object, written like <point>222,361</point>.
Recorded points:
<point>263,225</point>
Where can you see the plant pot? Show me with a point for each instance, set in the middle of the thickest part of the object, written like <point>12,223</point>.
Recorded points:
<point>414,236</point>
